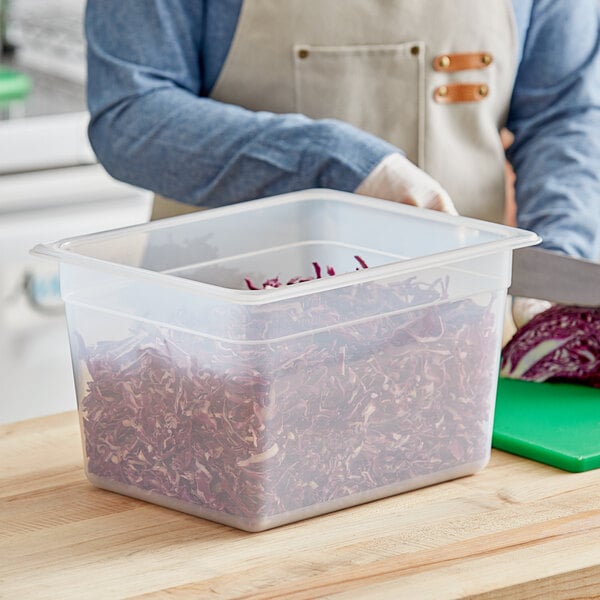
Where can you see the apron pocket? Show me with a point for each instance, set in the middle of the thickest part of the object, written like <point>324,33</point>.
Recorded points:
<point>377,88</point>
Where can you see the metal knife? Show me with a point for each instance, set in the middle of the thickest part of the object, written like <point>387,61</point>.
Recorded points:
<point>547,275</point>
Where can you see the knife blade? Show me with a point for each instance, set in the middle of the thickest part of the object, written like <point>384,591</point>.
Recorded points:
<point>547,275</point>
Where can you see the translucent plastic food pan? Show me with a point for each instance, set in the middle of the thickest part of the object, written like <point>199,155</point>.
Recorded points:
<point>258,407</point>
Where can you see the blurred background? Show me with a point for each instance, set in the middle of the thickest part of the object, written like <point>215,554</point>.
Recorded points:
<point>51,187</point>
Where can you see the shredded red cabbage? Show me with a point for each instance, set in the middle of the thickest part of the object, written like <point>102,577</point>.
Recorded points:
<point>260,429</point>
<point>561,344</point>
<point>275,283</point>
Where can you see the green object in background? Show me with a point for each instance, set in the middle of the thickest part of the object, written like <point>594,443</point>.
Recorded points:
<point>14,86</point>
<point>554,423</point>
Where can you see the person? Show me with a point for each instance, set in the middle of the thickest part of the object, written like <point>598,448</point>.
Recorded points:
<point>214,102</point>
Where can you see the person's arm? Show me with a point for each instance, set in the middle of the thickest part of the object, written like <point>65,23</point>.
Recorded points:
<point>555,118</point>
<point>153,126</point>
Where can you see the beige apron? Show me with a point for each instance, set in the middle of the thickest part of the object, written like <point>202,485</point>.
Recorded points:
<point>430,76</point>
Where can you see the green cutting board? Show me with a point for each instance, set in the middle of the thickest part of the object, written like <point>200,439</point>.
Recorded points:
<point>553,423</point>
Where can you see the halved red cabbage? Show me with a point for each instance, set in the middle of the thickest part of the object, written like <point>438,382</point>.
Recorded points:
<point>561,344</point>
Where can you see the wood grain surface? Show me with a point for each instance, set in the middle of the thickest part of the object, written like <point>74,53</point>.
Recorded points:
<point>517,529</point>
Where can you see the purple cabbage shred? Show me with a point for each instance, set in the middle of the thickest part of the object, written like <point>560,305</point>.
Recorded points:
<point>275,283</point>
<point>259,429</point>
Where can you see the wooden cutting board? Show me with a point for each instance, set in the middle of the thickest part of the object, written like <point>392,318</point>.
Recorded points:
<point>554,423</point>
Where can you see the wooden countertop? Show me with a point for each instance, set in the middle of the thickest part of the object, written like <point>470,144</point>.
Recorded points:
<point>517,529</point>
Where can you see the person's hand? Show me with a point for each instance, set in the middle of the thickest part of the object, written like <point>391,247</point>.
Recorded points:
<point>524,309</point>
<point>396,178</point>
<point>520,311</point>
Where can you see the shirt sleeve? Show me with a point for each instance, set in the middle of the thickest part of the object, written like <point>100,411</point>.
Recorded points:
<point>555,118</point>
<point>153,126</point>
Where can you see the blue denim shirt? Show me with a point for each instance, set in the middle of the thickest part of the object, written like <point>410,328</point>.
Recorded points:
<point>152,63</point>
